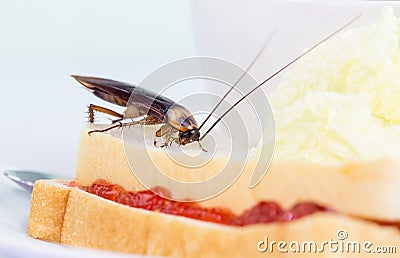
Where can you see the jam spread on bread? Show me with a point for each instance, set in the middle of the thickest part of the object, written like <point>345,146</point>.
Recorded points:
<point>263,212</point>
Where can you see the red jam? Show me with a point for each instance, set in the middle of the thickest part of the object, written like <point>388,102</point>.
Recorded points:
<point>263,212</point>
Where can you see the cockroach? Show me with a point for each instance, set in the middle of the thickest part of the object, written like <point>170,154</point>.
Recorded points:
<point>153,109</point>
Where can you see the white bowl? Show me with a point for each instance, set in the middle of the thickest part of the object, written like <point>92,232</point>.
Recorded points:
<point>236,30</point>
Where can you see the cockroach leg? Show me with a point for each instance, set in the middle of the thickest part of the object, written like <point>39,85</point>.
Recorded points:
<point>116,120</point>
<point>148,120</point>
<point>167,131</point>
<point>168,134</point>
<point>201,147</point>
<point>93,108</point>
<point>163,130</point>
<point>106,129</point>
<point>118,125</point>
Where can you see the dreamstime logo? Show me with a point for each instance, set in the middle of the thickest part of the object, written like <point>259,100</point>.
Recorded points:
<point>185,171</point>
<point>340,245</point>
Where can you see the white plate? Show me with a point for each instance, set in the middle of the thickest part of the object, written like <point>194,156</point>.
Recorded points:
<point>15,242</point>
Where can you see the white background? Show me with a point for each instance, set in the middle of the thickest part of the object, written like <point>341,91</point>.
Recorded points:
<point>42,42</point>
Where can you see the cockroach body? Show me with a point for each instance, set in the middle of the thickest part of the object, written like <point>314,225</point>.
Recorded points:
<point>141,103</point>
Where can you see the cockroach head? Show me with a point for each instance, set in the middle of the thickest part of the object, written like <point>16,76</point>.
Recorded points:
<point>189,136</point>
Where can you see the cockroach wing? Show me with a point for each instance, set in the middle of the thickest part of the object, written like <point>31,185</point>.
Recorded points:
<point>138,101</point>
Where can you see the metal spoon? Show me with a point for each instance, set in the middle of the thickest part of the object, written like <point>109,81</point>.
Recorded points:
<point>26,179</point>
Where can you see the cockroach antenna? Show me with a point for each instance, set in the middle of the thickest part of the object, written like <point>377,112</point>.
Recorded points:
<point>161,110</point>
<point>266,43</point>
<point>269,78</point>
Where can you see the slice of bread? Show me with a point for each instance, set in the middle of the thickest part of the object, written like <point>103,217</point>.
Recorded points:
<point>336,186</point>
<point>72,216</point>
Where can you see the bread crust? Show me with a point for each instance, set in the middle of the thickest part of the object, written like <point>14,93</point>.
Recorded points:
<point>286,182</point>
<point>47,210</point>
<point>86,220</point>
